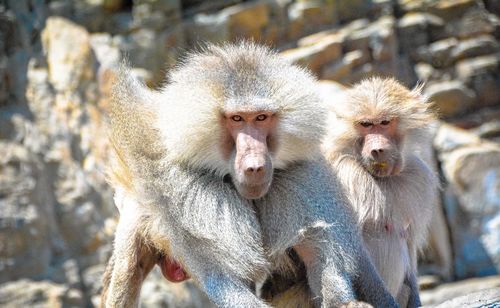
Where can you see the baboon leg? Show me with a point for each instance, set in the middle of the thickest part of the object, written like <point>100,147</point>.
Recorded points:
<point>128,267</point>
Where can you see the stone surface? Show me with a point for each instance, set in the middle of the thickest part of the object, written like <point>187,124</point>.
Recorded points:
<point>450,97</point>
<point>25,214</point>
<point>458,289</point>
<point>477,46</point>
<point>26,293</point>
<point>471,167</point>
<point>483,298</point>
<point>69,57</point>
<point>317,55</point>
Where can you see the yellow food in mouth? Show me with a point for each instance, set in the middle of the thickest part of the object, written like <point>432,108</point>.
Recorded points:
<point>380,165</point>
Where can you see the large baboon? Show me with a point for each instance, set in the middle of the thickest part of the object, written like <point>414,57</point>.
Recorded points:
<point>373,143</point>
<point>220,171</point>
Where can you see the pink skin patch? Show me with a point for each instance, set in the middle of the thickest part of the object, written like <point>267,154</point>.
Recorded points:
<point>172,270</point>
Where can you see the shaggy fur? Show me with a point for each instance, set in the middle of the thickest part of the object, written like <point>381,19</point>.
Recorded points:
<point>393,212</point>
<point>176,199</point>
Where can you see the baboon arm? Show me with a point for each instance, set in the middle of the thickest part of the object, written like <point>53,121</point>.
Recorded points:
<point>334,287</point>
<point>412,284</point>
<point>129,266</point>
<point>370,285</point>
<point>224,291</point>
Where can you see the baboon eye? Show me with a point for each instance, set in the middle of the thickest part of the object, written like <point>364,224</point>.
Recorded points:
<point>365,124</point>
<point>261,117</point>
<point>236,118</point>
<point>385,122</point>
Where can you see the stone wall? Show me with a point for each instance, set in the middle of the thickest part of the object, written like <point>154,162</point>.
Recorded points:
<point>58,61</point>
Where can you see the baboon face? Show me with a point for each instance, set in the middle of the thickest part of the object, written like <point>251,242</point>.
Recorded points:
<point>248,138</point>
<point>380,153</point>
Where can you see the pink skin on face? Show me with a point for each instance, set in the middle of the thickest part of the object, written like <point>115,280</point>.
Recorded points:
<point>380,153</point>
<point>248,133</point>
<point>252,164</point>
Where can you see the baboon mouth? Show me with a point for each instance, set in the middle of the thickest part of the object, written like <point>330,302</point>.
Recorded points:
<point>253,191</point>
<point>380,169</point>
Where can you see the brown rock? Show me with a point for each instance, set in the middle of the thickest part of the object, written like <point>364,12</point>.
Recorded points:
<point>474,47</point>
<point>450,97</point>
<point>316,56</point>
<point>27,293</point>
<point>69,55</point>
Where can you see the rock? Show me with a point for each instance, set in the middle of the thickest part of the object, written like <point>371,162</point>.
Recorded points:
<point>418,29</point>
<point>449,9</point>
<point>156,14</point>
<point>316,56</point>
<point>92,279</point>
<point>247,20</point>
<point>424,71</point>
<point>457,289</point>
<point>483,298</point>
<point>476,66</point>
<point>450,97</point>
<point>438,53</point>
<point>341,69</point>
<point>212,27</point>
<point>347,10</point>
<point>26,214</point>
<point>428,282</point>
<point>69,55</point>
<point>364,38</point>
<point>471,166</point>
<point>474,47</point>
<point>473,23</point>
<point>310,15</point>
<point>27,293</point>
<point>488,130</point>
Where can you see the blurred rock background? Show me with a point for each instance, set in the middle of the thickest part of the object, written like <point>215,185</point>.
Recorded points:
<point>57,61</point>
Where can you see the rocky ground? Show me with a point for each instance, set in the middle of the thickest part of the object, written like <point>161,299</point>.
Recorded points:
<point>57,62</point>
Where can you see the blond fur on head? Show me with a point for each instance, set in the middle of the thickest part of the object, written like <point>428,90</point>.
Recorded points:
<point>235,77</point>
<point>378,99</point>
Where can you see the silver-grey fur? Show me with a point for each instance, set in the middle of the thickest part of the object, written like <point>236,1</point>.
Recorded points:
<point>394,212</point>
<point>175,199</point>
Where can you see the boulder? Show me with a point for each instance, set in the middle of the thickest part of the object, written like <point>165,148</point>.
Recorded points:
<point>27,293</point>
<point>450,97</point>
<point>69,55</point>
<point>461,291</point>
<point>483,298</point>
<point>471,167</point>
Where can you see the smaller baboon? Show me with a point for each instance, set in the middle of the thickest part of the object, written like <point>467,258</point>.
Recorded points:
<point>372,144</point>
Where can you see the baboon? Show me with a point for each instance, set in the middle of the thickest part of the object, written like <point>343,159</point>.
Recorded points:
<point>221,171</point>
<point>372,143</point>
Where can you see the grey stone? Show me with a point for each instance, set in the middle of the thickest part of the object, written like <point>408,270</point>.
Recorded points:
<point>471,167</point>
<point>461,290</point>
<point>477,66</point>
<point>473,47</point>
<point>418,29</point>
<point>438,53</point>
<point>69,56</point>
<point>483,298</point>
<point>450,97</point>
<point>27,293</point>
<point>25,220</point>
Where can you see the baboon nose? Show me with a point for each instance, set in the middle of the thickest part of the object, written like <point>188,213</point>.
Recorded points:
<point>254,170</point>
<point>376,152</point>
